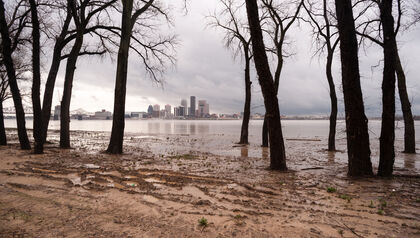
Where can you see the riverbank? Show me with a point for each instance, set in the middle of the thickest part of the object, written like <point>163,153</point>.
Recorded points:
<point>163,185</point>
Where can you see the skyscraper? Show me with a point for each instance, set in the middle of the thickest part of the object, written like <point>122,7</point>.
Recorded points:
<point>150,110</point>
<point>192,106</point>
<point>184,103</point>
<point>168,110</point>
<point>203,108</point>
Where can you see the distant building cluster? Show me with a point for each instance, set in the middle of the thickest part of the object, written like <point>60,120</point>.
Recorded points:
<point>200,110</point>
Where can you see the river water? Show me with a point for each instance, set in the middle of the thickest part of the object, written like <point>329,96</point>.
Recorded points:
<point>291,128</point>
<point>219,137</point>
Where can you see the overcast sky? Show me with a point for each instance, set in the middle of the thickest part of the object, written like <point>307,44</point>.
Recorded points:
<point>207,70</point>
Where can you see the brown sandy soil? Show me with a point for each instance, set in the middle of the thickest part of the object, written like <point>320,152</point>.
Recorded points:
<point>83,192</point>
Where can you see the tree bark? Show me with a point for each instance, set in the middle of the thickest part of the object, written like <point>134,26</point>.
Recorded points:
<point>52,76</point>
<point>247,107</point>
<point>356,122</point>
<point>36,80</point>
<point>409,129</point>
<point>3,138</point>
<point>68,85</point>
<point>117,135</point>
<point>387,151</point>
<point>11,74</point>
<point>277,150</point>
<point>333,99</point>
<point>265,133</point>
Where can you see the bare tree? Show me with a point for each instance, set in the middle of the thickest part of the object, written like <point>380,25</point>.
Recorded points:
<point>36,78</point>
<point>321,19</point>
<point>387,151</point>
<point>61,37</point>
<point>153,53</point>
<point>280,16</point>
<point>4,95</point>
<point>277,150</point>
<point>370,28</point>
<point>58,29</point>
<point>358,149</point>
<point>86,15</point>
<point>8,46</point>
<point>237,39</point>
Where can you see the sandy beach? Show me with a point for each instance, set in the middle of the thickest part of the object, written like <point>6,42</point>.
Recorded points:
<point>159,188</point>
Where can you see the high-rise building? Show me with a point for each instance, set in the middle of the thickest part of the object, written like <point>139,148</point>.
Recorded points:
<point>184,103</point>
<point>192,106</point>
<point>176,112</point>
<point>150,110</point>
<point>156,110</point>
<point>156,107</point>
<point>168,110</point>
<point>182,111</point>
<point>57,112</point>
<point>203,108</point>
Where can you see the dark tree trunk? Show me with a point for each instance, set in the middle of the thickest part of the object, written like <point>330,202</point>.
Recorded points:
<point>277,150</point>
<point>409,130</point>
<point>333,99</point>
<point>11,74</point>
<point>387,151</point>
<point>36,80</point>
<point>3,138</point>
<point>277,74</point>
<point>356,122</point>
<point>52,76</point>
<point>117,135</point>
<point>247,107</point>
<point>68,85</point>
<point>265,133</point>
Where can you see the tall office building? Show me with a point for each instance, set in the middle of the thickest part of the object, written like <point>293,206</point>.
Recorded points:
<point>184,103</point>
<point>156,111</point>
<point>57,112</point>
<point>150,110</point>
<point>168,110</point>
<point>192,106</point>
<point>203,108</point>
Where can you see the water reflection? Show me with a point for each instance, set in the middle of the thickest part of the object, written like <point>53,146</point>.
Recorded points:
<point>193,129</point>
<point>203,128</point>
<point>244,152</point>
<point>409,161</point>
<point>265,152</point>
<point>331,156</point>
<point>153,127</point>
<point>168,128</point>
<point>180,129</point>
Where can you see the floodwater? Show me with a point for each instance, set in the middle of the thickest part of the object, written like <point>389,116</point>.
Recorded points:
<point>291,128</point>
<point>218,137</point>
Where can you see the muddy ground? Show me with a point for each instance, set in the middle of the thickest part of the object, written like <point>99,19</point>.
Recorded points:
<point>162,188</point>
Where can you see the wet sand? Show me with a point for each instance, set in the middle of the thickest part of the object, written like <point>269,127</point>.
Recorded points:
<point>163,185</point>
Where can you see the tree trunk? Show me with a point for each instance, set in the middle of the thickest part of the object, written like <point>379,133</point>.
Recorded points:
<point>247,107</point>
<point>36,80</point>
<point>117,135</point>
<point>68,85</point>
<point>333,98</point>
<point>356,122</point>
<point>11,74</point>
<point>387,151</point>
<point>3,138</point>
<point>409,131</point>
<point>277,150</point>
<point>265,133</point>
<point>52,76</point>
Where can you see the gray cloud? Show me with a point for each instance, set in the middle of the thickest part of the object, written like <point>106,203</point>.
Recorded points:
<point>206,69</point>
